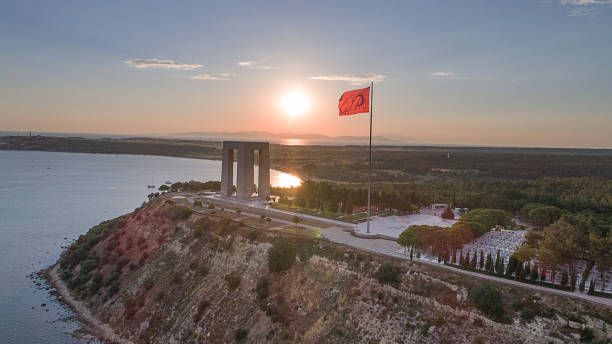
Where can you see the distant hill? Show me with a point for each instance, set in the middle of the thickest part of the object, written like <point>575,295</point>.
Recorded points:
<point>268,136</point>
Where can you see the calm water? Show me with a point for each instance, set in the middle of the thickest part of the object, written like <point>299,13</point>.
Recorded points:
<point>46,200</point>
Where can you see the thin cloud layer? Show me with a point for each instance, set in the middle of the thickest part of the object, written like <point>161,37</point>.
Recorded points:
<point>221,77</point>
<point>442,73</point>
<point>353,79</point>
<point>157,63</point>
<point>253,65</point>
<point>585,8</point>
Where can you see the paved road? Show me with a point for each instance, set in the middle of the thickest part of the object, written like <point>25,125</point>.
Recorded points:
<point>336,231</point>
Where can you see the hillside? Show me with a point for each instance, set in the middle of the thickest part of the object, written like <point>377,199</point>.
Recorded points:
<point>163,274</point>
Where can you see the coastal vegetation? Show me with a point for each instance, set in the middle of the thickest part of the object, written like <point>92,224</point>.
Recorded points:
<point>159,278</point>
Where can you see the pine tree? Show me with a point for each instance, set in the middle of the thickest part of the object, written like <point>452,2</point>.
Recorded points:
<point>481,260</point>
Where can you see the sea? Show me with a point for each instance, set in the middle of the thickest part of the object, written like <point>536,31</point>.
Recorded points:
<point>48,199</point>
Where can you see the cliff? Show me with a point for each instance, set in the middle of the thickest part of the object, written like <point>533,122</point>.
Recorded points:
<point>163,274</point>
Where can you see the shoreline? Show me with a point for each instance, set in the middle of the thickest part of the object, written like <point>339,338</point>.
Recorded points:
<point>101,330</point>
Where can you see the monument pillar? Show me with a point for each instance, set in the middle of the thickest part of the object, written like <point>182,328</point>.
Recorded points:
<point>245,173</point>
<point>227,172</point>
<point>245,170</point>
<point>263,187</point>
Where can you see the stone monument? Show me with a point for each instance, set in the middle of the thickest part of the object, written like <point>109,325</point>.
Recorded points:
<point>245,170</point>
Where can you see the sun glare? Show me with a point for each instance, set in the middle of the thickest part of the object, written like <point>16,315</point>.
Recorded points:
<point>295,103</point>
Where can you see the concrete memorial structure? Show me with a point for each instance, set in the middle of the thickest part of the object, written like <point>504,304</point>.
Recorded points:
<point>245,170</point>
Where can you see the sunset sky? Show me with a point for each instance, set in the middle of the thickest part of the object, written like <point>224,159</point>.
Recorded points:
<point>514,73</point>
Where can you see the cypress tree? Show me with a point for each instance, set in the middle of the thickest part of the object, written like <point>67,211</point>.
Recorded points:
<point>534,273</point>
<point>592,287</point>
<point>573,279</point>
<point>481,260</point>
<point>489,263</point>
<point>474,260</point>
<point>527,270</point>
<point>518,269</point>
<point>502,266</point>
<point>511,266</point>
<point>564,280</point>
<point>497,268</point>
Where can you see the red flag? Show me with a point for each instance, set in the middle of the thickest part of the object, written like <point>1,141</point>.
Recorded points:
<point>353,102</point>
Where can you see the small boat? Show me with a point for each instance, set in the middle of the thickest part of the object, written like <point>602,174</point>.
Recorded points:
<point>167,182</point>
<point>151,186</point>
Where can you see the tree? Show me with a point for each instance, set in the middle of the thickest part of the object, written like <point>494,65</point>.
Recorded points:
<point>448,214</point>
<point>488,299</point>
<point>481,260</point>
<point>497,261</point>
<point>534,273</point>
<point>564,280</point>
<point>591,287</point>
<point>409,239</point>
<point>281,255</point>
<point>489,263</point>
<point>295,219</point>
<point>602,254</point>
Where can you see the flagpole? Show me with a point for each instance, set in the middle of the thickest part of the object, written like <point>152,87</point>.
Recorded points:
<point>370,155</point>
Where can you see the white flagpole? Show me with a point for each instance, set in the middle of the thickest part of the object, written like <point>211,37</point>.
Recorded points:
<point>370,155</point>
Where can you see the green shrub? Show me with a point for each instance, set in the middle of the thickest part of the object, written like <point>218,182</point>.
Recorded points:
<point>488,299</point>
<point>586,335</point>
<point>295,219</point>
<point>233,280</point>
<point>262,288</point>
<point>197,202</point>
<point>240,334</point>
<point>149,283</point>
<point>179,213</point>
<point>211,206</point>
<point>388,273</point>
<point>281,255</point>
<point>114,288</point>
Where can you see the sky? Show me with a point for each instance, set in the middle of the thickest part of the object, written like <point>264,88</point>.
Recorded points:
<point>504,73</point>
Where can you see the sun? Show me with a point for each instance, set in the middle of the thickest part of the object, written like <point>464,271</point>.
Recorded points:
<point>295,103</point>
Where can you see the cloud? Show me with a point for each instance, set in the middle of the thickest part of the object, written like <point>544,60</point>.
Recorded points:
<point>157,63</point>
<point>585,8</point>
<point>353,79</point>
<point>442,73</point>
<point>253,65</point>
<point>222,76</point>
<point>582,12</point>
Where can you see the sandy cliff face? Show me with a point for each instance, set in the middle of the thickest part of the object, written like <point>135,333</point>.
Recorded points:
<point>163,275</point>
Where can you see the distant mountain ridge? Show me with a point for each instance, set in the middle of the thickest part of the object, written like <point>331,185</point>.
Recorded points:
<point>263,135</point>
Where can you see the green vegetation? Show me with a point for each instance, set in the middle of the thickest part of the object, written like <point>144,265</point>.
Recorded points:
<point>388,273</point>
<point>281,255</point>
<point>566,241</point>
<point>488,299</point>
<point>233,280</point>
<point>240,334</point>
<point>195,186</point>
<point>447,241</point>
<point>180,213</point>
